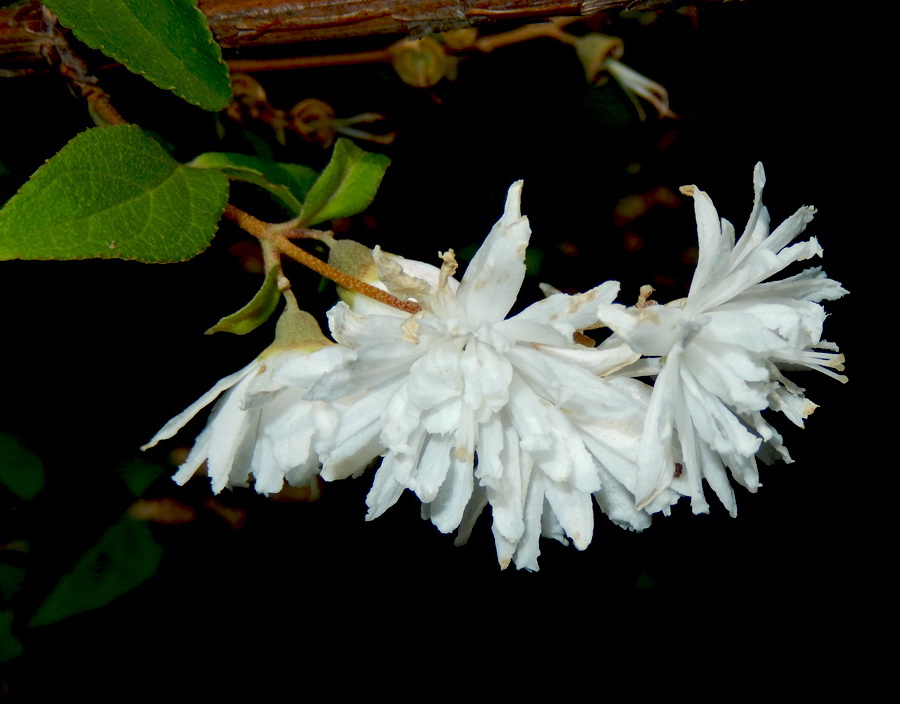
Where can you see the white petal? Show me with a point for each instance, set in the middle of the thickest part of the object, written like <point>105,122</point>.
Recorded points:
<point>179,421</point>
<point>495,274</point>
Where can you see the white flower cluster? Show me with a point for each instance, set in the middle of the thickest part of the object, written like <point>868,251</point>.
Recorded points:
<point>467,407</point>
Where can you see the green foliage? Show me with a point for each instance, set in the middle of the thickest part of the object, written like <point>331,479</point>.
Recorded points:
<point>288,183</point>
<point>256,312</point>
<point>124,557</point>
<point>10,647</point>
<point>11,578</point>
<point>139,474</point>
<point>20,470</point>
<point>113,193</point>
<point>347,185</point>
<point>169,43</point>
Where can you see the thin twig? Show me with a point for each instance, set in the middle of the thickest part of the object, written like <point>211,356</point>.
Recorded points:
<point>278,239</point>
<point>292,62</point>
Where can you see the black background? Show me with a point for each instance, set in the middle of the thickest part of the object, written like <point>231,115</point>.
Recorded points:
<point>97,355</point>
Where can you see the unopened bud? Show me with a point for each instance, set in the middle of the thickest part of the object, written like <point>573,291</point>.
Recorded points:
<point>420,62</point>
<point>459,39</point>
<point>593,50</point>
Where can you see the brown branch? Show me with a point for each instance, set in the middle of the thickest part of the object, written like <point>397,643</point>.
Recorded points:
<point>252,23</point>
<point>277,237</point>
<point>294,62</point>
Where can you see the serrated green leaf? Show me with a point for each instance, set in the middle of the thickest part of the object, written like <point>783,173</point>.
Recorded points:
<point>20,470</point>
<point>124,557</point>
<point>167,42</point>
<point>256,312</point>
<point>113,193</point>
<point>346,186</point>
<point>289,183</point>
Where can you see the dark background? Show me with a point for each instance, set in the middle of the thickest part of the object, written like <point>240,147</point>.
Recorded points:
<point>98,355</point>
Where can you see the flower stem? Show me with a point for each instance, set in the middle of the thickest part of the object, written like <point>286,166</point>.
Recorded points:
<point>552,29</point>
<point>277,237</point>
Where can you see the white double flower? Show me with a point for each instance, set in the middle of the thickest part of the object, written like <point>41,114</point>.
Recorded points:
<point>468,408</point>
<point>722,352</point>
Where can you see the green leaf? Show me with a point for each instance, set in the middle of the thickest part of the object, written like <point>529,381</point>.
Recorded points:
<point>303,178</point>
<point>168,42</point>
<point>10,647</point>
<point>346,186</point>
<point>138,475</point>
<point>11,579</point>
<point>113,193</point>
<point>20,469</point>
<point>124,557</point>
<point>256,312</point>
<point>289,183</point>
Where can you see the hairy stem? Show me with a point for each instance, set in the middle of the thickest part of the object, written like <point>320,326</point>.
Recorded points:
<point>278,239</point>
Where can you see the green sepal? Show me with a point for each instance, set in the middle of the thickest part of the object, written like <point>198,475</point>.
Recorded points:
<point>346,186</point>
<point>355,259</point>
<point>113,193</point>
<point>169,43</point>
<point>296,330</point>
<point>124,557</point>
<point>21,471</point>
<point>288,183</point>
<point>256,312</point>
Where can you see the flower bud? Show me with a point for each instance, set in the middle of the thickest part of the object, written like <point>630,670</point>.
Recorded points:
<point>459,39</point>
<point>593,50</point>
<point>420,62</point>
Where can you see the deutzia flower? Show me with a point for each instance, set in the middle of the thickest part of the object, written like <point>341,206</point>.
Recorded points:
<point>262,426</point>
<point>722,352</point>
<point>470,408</point>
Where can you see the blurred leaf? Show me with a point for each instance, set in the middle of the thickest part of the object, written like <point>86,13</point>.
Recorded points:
<point>256,312</point>
<point>289,183</point>
<point>138,475</point>
<point>11,578</point>
<point>533,260</point>
<point>20,470</point>
<point>10,647</point>
<point>113,193</point>
<point>346,186</point>
<point>124,557</point>
<point>169,43</point>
